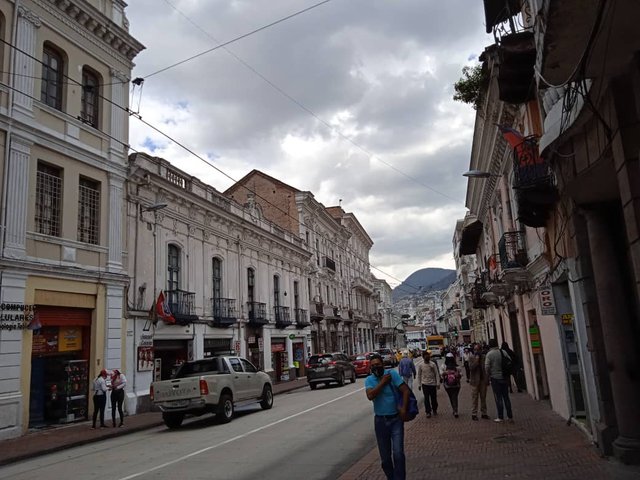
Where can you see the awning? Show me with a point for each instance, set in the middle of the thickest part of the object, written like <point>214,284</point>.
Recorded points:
<point>498,11</point>
<point>470,237</point>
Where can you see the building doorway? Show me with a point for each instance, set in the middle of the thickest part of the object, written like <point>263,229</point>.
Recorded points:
<point>169,356</point>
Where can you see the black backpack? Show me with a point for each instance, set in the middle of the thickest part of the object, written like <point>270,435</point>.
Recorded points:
<point>507,365</point>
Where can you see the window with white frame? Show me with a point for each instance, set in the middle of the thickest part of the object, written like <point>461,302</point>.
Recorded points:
<point>89,211</point>
<point>48,199</point>
<point>173,268</point>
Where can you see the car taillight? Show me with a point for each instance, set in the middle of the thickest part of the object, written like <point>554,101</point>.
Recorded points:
<point>151,392</point>
<point>204,388</point>
<point>332,363</point>
<point>307,366</point>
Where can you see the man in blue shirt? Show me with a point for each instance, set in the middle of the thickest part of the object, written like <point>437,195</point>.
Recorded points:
<point>389,419</point>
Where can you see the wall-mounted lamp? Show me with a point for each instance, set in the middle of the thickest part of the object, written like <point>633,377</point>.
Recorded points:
<point>152,208</point>
<point>480,174</point>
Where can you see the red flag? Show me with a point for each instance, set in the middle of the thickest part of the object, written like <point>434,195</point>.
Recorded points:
<point>513,137</point>
<point>526,148</point>
<point>162,309</point>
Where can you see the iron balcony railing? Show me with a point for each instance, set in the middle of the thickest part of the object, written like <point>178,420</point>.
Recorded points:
<point>257,313</point>
<point>282,316</point>
<point>182,305</point>
<point>476,295</point>
<point>330,264</point>
<point>513,251</point>
<point>224,312</point>
<point>301,317</point>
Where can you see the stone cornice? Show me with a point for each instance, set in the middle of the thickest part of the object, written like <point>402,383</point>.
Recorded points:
<point>29,16</point>
<point>87,21</point>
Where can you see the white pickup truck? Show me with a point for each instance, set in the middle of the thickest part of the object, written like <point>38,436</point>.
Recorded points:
<point>213,385</point>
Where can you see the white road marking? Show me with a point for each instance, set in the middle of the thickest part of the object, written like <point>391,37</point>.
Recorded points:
<point>237,437</point>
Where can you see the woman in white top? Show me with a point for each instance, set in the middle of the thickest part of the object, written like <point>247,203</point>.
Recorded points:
<point>99,397</point>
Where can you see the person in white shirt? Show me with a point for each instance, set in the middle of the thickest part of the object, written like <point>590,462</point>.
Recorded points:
<point>99,397</point>
<point>429,383</point>
<point>118,382</point>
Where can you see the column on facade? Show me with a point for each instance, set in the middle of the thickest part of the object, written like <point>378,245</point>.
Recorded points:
<point>116,213</point>
<point>119,89</point>
<point>17,198</point>
<point>289,344</point>
<point>24,67</point>
<point>113,326</point>
<point>241,338</point>
<point>266,349</point>
<point>621,351</point>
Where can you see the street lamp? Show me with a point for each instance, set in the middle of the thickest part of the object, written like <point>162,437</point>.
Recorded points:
<point>480,174</point>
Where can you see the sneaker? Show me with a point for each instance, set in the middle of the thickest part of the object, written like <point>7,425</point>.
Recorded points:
<point>498,420</point>
<point>455,415</point>
<point>474,417</point>
<point>486,417</point>
<point>428,415</point>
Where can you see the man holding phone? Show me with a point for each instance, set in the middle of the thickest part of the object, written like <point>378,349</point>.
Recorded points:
<point>389,419</point>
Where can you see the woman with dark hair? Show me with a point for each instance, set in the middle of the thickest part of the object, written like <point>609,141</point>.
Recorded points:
<point>118,382</point>
<point>451,376</point>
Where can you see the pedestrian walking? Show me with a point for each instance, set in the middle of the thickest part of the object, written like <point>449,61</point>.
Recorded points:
<point>451,376</point>
<point>388,419</point>
<point>493,366</point>
<point>99,397</point>
<point>478,381</point>
<point>515,367</point>
<point>466,354</point>
<point>118,382</point>
<point>429,381</point>
<point>407,370</point>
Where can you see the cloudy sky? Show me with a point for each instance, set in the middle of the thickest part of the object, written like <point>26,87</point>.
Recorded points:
<point>350,100</point>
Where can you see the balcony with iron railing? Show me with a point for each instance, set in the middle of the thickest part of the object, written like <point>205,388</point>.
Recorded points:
<point>363,284</point>
<point>317,310</point>
<point>477,291</point>
<point>514,258</point>
<point>282,316</point>
<point>493,277</point>
<point>301,317</point>
<point>182,306</point>
<point>224,312</point>
<point>329,264</point>
<point>257,313</point>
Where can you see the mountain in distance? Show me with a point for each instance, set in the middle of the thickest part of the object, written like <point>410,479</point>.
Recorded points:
<point>423,281</point>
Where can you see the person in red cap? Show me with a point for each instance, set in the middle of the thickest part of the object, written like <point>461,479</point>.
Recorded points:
<point>118,382</point>
<point>99,397</point>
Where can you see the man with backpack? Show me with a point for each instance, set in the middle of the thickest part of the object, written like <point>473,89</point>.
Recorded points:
<point>407,370</point>
<point>499,366</point>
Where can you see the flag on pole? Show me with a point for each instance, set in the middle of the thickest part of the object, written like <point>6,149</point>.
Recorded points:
<point>162,309</point>
<point>513,137</point>
<point>526,148</point>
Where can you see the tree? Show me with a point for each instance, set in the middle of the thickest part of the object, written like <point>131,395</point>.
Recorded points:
<point>470,88</point>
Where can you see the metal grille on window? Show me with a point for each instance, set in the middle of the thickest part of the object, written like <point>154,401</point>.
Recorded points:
<point>89,212</point>
<point>48,198</point>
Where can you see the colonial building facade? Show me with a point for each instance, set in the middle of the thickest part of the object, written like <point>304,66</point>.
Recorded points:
<point>343,306</point>
<point>230,279</point>
<point>63,128</point>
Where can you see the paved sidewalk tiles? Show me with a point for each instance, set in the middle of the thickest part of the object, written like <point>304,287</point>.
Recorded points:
<point>539,444</point>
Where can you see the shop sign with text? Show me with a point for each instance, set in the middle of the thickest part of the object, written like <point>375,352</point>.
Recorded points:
<point>547,302</point>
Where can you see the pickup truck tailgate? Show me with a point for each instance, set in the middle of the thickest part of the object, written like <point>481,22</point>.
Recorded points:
<point>176,390</point>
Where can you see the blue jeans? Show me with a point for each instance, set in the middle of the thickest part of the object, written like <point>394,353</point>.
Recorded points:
<point>501,393</point>
<point>390,437</point>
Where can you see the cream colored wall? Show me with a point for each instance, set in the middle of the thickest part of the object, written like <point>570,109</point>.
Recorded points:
<point>63,293</point>
<point>6,32</point>
<point>553,356</point>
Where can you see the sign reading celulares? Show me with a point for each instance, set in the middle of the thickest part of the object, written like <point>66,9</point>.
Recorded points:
<point>16,316</point>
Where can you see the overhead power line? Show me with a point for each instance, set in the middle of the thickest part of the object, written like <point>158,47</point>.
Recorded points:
<point>229,42</point>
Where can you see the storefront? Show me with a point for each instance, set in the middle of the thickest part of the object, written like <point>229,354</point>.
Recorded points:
<point>168,356</point>
<point>217,346</point>
<point>255,347</point>
<point>299,359</point>
<point>60,354</point>
<point>280,359</point>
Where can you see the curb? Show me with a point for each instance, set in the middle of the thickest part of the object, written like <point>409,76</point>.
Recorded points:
<point>105,436</point>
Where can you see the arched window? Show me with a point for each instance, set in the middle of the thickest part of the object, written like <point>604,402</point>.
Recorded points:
<point>217,278</point>
<point>52,71</point>
<point>90,112</point>
<point>173,268</point>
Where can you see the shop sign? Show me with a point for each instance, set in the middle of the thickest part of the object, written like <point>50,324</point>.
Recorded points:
<point>261,344</point>
<point>567,319</point>
<point>547,302</point>
<point>292,336</point>
<point>146,340</point>
<point>17,316</point>
<point>236,346</point>
<point>70,339</point>
<point>145,359</point>
<point>277,347</point>
<point>534,337</point>
<point>45,341</point>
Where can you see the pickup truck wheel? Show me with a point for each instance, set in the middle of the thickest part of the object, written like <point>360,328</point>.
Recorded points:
<point>224,412</point>
<point>313,386</point>
<point>341,379</point>
<point>172,419</point>
<point>267,398</point>
<point>353,377</point>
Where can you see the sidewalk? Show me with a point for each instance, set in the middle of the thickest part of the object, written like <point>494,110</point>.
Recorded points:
<point>539,444</point>
<point>53,439</point>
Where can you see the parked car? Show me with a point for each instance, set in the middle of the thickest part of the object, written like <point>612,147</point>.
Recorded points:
<point>362,363</point>
<point>213,385</point>
<point>388,357</point>
<point>329,367</point>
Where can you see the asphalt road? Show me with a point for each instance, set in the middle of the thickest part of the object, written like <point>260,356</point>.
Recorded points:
<point>307,435</point>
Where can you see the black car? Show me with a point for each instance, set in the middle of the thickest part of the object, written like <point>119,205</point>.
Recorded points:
<point>329,367</point>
